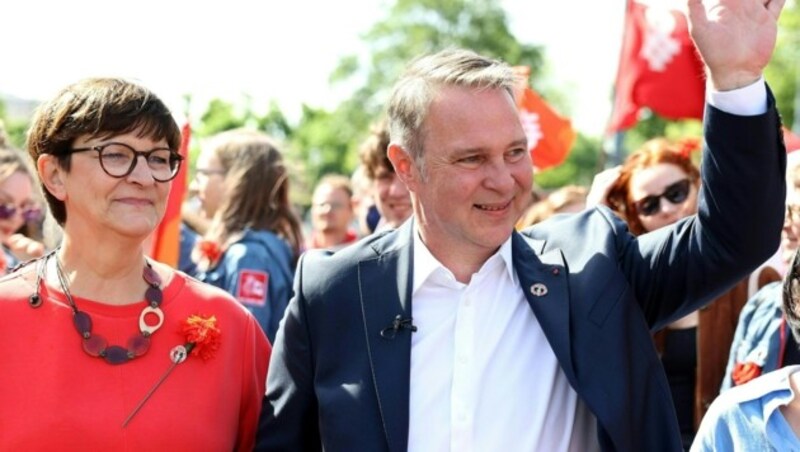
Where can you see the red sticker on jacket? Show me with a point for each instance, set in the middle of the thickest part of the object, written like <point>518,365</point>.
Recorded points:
<point>252,287</point>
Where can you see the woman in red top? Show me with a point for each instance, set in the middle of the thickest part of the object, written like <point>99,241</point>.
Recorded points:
<point>104,348</point>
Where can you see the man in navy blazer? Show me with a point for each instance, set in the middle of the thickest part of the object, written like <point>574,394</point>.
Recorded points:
<point>456,333</point>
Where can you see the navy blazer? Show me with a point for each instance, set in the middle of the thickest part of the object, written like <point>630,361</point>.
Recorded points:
<point>335,381</point>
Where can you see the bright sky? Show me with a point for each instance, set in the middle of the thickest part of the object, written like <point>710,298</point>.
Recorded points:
<point>282,50</point>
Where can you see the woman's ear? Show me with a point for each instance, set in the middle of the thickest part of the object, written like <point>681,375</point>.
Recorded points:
<point>52,176</point>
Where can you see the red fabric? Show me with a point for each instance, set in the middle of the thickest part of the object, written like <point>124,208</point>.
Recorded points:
<point>54,396</point>
<point>550,136</point>
<point>166,238</point>
<point>659,68</point>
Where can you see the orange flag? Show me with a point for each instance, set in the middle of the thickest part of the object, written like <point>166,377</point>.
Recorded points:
<point>166,238</point>
<point>659,67</point>
<point>550,136</point>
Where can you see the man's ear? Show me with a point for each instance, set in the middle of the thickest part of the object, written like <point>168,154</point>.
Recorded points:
<point>52,176</point>
<point>403,164</point>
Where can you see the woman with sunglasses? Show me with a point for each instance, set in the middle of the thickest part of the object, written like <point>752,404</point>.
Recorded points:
<point>108,349</point>
<point>18,208</point>
<point>657,186</point>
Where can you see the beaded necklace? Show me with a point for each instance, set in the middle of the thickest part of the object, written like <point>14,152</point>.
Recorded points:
<point>96,345</point>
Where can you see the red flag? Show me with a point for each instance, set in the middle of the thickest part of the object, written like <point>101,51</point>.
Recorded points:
<point>550,137</point>
<point>166,238</point>
<point>659,67</point>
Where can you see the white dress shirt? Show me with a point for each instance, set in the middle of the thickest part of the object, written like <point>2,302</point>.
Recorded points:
<point>483,376</point>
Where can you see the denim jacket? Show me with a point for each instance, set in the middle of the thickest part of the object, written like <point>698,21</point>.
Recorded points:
<point>257,271</point>
<point>760,334</point>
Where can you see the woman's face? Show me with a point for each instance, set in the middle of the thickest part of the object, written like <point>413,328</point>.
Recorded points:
<point>209,182</point>
<point>662,194</point>
<point>16,200</point>
<point>97,203</point>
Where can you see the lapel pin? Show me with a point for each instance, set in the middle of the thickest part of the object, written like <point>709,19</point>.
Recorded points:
<point>538,290</point>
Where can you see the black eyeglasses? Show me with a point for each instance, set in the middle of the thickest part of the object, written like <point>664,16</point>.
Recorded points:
<point>118,160</point>
<point>675,193</point>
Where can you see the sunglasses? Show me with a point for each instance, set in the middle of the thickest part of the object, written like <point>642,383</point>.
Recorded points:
<point>675,193</point>
<point>29,213</point>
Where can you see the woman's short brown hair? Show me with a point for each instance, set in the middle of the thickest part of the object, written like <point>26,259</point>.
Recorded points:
<point>98,107</point>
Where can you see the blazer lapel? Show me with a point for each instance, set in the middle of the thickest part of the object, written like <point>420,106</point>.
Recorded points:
<point>543,279</point>
<point>385,292</point>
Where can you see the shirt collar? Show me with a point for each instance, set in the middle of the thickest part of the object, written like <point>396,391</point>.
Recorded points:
<point>425,264</point>
<point>780,391</point>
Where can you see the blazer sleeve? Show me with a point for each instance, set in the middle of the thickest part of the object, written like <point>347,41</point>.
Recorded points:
<point>289,414</point>
<point>678,269</point>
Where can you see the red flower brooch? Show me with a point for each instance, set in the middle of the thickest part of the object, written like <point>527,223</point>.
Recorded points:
<point>744,372</point>
<point>202,336</point>
<point>209,250</point>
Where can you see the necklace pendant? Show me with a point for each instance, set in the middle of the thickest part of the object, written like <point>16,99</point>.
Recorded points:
<point>116,355</point>
<point>146,329</point>
<point>83,323</point>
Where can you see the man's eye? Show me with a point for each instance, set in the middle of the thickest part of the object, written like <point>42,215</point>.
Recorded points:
<point>516,154</point>
<point>472,159</point>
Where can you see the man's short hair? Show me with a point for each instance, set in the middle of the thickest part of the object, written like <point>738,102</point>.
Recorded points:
<point>413,93</point>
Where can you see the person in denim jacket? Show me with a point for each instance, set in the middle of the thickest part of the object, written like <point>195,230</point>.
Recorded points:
<point>254,239</point>
<point>762,342</point>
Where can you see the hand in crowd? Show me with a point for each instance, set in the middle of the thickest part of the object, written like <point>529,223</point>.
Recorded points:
<point>24,247</point>
<point>601,184</point>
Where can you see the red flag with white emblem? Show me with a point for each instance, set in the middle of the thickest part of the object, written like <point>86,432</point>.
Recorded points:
<point>550,136</point>
<point>659,67</point>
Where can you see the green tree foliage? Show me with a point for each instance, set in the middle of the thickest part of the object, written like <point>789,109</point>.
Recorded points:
<point>579,168</point>
<point>12,130</point>
<point>782,73</point>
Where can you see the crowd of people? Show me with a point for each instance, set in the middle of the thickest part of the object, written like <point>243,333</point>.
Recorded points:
<point>432,303</point>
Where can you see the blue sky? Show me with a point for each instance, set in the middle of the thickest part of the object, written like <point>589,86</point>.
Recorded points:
<point>274,49</point>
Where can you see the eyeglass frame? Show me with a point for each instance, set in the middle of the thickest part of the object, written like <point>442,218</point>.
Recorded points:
<point>178,158</point>
<point>663,195</point>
